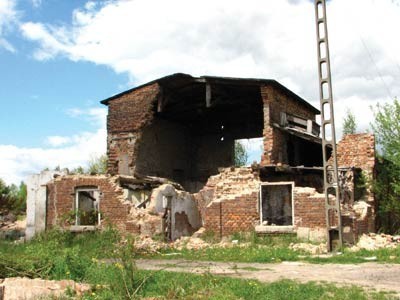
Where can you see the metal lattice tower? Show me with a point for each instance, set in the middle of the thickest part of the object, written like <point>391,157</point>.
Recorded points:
<point>331,187</point>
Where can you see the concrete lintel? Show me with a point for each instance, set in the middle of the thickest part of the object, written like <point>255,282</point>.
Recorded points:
<point>274,229</point>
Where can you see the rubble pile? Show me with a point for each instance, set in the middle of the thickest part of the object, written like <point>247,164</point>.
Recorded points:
<point>147,244</point>
<point>309,248</point>
<point>373,241</point>
<point>147,221</point>
<point>11,227</point>
<point>190,243</point>
<point>26,288</point>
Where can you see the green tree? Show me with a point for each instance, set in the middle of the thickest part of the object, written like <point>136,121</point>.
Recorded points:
<point>98,165</point>
<point>13,198</point>
<point>241,154</point>
<point>20,200</point>
<point>349,123</point>
<point>386,127</point>
<point>387,130</point>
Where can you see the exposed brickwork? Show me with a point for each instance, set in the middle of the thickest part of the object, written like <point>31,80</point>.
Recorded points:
<point>309,208</point>
<point>61,198</point>
<point>127,115</point>
<point>132,111</point>
<point>310,213</point>
<point>122,151</point>
<point>229,201</point>
<point>357,150</point>
<point>276,102</point>
<point>234,215</point>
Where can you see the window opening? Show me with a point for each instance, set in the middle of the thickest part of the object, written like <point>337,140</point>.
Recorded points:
<point>248,151</point>
<point>276,204</point>
<point>87,207</point>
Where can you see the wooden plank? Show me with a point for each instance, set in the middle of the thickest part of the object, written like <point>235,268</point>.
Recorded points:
<point>310,126</point>
<point>208,94</point>
<point>297,120</point>
<point>160,101</point>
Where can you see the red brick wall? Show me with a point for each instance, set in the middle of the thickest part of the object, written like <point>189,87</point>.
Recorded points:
<point>118,145</point>
<point>310,213</point>
<point>357,150</point>
<point>228,202</point>
<point>276,102</point>
<point>61,198</point>
<point>127,115</point>
<point>309,208</point>
<point>230,216</point>
<point>132,111</point>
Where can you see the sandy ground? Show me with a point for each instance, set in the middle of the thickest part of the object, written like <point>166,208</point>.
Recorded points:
<point>382,277</point>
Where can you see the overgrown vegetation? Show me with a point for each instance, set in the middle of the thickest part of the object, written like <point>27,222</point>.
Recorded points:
<point>274,249</point>
<point>98,165</point>
<point>107,262</point>
<point>95,165</point>
<point>12,198</point>
<point>387,184</point>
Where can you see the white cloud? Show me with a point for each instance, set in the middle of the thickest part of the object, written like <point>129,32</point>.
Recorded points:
<point>56,140</point>
<point>8,17</point>
<point>264,38</point>
<point>64,151</point>
<point>95,115</point>
<point>36,3</point>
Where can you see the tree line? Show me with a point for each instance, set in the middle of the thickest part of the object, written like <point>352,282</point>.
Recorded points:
<point>12,198</point>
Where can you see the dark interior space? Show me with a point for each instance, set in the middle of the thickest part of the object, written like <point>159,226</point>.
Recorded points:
<point>302,152</point>
<point>196,124</point>
<point>301,176</point>
<point>276,204</point>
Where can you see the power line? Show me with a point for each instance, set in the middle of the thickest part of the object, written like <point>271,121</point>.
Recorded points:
<point>376,66</point>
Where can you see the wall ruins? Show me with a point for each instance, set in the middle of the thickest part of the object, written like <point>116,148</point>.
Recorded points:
<point>130,204</point>
<point>170,146</point>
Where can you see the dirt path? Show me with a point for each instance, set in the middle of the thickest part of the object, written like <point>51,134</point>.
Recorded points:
<point>385,277</point>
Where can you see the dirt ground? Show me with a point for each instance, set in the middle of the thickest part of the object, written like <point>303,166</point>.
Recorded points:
<point>381,277</point>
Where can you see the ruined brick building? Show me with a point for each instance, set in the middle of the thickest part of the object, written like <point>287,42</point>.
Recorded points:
<point>170,150</point>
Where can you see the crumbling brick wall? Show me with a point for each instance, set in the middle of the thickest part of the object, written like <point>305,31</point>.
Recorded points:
<point>229,201</point>
<point>276,102</point>
<point>357,150</point>
<point>309,208</point>
<point>310,219</point>
<point>61,199</point>
<point>236,215</point>
<point>127,116</point>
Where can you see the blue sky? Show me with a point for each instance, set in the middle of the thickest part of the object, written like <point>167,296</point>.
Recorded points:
<point>59,58</point>
<point>37,95</point>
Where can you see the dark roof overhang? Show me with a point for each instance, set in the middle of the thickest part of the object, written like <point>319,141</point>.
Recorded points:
<point>177,80</point>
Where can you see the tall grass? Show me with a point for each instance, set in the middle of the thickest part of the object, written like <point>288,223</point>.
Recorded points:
<point>107,262</point>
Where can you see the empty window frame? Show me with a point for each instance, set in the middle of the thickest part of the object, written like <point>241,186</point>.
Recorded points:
<point>87,207</point>
<point>276,204</point>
